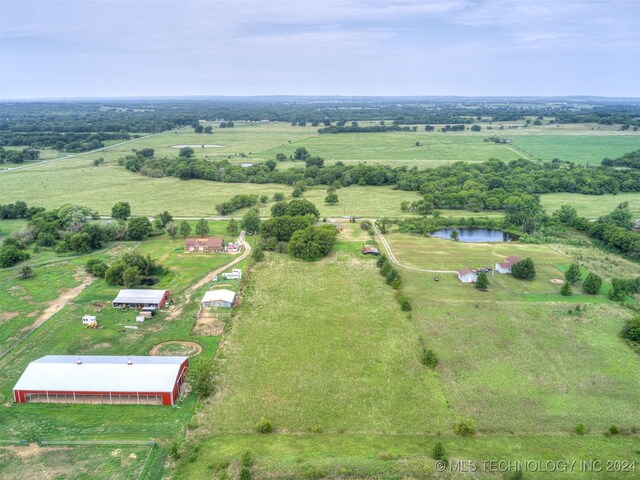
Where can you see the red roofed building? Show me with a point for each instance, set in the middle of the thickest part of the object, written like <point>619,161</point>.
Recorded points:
<point>505,267</point>
<point>203,245</point>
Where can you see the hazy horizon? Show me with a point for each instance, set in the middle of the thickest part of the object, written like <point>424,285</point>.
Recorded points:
<point>402,48</point>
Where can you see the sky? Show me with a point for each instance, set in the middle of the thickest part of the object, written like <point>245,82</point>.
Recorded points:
<point>114,48</point>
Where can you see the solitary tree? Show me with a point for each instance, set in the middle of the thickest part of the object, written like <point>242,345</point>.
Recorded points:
<point>208,129</point>
<point>202,228</point>
<point>278,197</point>
<point>185,228</point>
<point>297,192</point>
<point>331,199</point>
<point>592,284</point>
<point>25,273</point>
<point>121,211</point>
<point>566,290</point>
<point>572,275</point>
<point>186,152</point>
<point>455,236</point>
<point>264,199</point>
<point>483,281</point>
<point>232,227</point>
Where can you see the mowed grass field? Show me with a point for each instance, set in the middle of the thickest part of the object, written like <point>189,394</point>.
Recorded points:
<point>586,148</point>
<point>590,206</point>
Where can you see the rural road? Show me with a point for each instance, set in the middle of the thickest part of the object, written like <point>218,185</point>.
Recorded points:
<point>176,311</point>
<point>395,261</point>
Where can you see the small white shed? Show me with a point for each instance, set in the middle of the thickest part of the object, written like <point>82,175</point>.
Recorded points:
<point>466,275</point>
<point>89,319</point>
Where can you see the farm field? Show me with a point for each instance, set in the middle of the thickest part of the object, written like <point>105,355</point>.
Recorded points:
<point>329,395</point>
<point>590,206</point>
<point>579,148</point>
<point>298,362</point>
<point>57,183</point>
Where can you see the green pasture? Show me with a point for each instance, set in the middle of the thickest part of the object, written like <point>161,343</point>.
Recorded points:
<point>587,148</point>
<point>323,346</point>
<point>399,456</point>
<point>590,206</point>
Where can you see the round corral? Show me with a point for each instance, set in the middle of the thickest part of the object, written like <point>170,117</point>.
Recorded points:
<point>176,347</point>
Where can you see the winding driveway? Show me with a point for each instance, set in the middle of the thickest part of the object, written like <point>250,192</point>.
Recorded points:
<point>395,261</point>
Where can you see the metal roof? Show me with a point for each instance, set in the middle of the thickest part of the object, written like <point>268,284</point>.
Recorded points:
<point>219,295</point>
<point>101,374</point>
<point>140,296</point>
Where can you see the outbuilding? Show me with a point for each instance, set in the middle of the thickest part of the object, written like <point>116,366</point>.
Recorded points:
<point>203,245</point>
<point>370,250</point>
<point>141,299</point>
<point>235,274</point>
<point>102,380</point>
<point>505,267</point>
<point>466,275</point>
<point>219,298</point>
<point>89,319</point>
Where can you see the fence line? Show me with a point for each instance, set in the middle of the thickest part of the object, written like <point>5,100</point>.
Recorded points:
<point>44,443</point>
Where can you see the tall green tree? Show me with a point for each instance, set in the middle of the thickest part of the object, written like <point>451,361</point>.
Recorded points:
<point>172,230</point>
<point>483,281</point>
<point>139,228</point>
<point>572,275</point>
<point>592,284</point>
<point>202,228</point>
<point>251,221</point>
<point>566,290</point>
<point>121,211</point>
<point>524,269</point>
<point>232,227</point>
<point>185,228</point>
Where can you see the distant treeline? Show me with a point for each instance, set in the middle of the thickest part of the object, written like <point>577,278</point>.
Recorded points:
<point>64,142</point>
<point>631,160</point>
<point>153,115</point>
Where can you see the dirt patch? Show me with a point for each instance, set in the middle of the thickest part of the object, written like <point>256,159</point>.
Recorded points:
<point>8,315</point>
<point>208,326</point>
<point>31,450</point>
<point>99,305</point>
<point>55,305</point>
<point>557,280</point>
<point>176,347</point>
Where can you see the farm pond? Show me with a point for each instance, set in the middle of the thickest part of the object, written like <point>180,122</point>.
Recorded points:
<point>476,235</point>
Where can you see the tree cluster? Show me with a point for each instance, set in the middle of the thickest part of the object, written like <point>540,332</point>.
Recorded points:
<point>236,203</point>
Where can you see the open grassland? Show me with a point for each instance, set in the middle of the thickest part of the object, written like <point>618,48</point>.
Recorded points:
<point>42,186</point>
<point>530,367</point>
<point>323,346</point>
<point>315,349</point>
<point>590,206</point>
<point>399,148</point>
<point>73,462</point>
<point>7,227</point>
<point>580,148</point>
<point>400,456</point>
